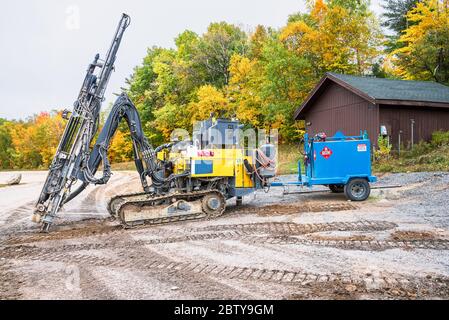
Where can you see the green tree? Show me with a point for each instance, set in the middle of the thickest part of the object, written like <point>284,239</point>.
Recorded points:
<point>360,7</point>
<point>395,18</point>
<point>287,81</point>
<point>215,49</point>
<point>395,14</point>
<point>143,91</point>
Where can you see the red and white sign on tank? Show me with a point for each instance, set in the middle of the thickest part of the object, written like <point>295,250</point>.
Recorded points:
<point>326,153</point>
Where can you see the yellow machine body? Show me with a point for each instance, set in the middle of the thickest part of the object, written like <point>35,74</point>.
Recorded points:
<point>215,159</point>
<point>213,163</point>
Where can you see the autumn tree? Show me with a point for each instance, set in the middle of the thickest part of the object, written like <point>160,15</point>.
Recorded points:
<point>265,87</point>
<point>34,142</point>
<point>335,38</point>
<point>260,77</point>
<point>121,148</point>
<point>209,100</point>
<point>288,78</point>
<point>244,88</point>
<point>170,81</point>
<point>172,116</point>
<point>424,53</point>
<point>6,146</point>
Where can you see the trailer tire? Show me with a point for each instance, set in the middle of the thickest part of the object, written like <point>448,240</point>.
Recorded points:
<point>239,201</point>
<point>337,188</point>
<point>357,190</point>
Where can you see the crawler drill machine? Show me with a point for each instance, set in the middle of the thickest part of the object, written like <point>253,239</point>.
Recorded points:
<point>182,180</point>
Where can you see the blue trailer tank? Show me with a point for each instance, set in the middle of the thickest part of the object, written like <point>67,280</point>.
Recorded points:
<point>341,162</point>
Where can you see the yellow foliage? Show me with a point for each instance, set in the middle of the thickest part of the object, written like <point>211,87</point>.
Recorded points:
<point>209,100</point>
<point>120,149</point>
<point>257,40</point>
<point>336,41</point>
<point>243,89</point>
<point>319,10</point>
<point>428,17</point>
<point>297,34</point>
<point>240,68</point>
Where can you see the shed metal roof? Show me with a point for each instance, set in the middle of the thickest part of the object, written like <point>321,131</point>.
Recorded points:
<point>388,89</point>
<point>385,91</point>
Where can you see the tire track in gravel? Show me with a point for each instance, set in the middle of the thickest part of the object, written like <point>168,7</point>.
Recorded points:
<point>185,278</point>
<point>90,203</point>
<point>9,282</point>
<point>278,228</point>
<point>194,273</point>
<point>289,208</point>
<point>142,260</point>
<point>131,257</point>
<point>89,289</point>
<point>93,202</point>
<point>365,245</point>
<point>271,233</point>
<point>18,218</point>
<point>291,228</point>
<point>96,199</point>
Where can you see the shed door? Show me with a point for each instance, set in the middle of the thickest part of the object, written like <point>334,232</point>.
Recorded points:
<point>394,132</point>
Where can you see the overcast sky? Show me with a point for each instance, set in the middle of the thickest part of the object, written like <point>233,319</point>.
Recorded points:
<point>46,45</point>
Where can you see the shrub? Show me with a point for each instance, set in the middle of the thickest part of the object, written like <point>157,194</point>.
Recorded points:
<point>384,167</point>
<point>421,148</point>
<point>384,150</point>
<point>440,138</point>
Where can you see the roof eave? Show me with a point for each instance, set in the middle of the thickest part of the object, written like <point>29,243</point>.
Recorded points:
<point>435,104</point>
<point>352,89</point>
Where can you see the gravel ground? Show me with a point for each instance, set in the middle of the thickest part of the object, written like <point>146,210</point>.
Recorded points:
<point>277,246</point>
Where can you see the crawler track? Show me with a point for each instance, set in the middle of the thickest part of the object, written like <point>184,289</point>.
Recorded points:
<point>117,207</point>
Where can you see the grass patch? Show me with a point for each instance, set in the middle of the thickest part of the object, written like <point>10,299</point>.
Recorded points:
<point>424,157</point>
<point>289,156</point>
<point>124,166</point>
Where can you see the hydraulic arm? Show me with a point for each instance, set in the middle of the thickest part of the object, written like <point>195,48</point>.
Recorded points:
<point>72,158</point>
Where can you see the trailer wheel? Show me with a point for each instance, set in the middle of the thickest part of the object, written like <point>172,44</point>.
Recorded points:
<point>357,190</point>
<point>337,188</point>
<point>239,201</point>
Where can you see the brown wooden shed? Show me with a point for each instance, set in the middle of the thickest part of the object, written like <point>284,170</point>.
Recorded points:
<point>351,103</point>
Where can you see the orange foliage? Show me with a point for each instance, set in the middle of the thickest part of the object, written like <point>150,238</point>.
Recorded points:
<point>36,140</point>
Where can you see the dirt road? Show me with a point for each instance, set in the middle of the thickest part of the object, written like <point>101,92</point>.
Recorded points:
<point>298,246</point>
